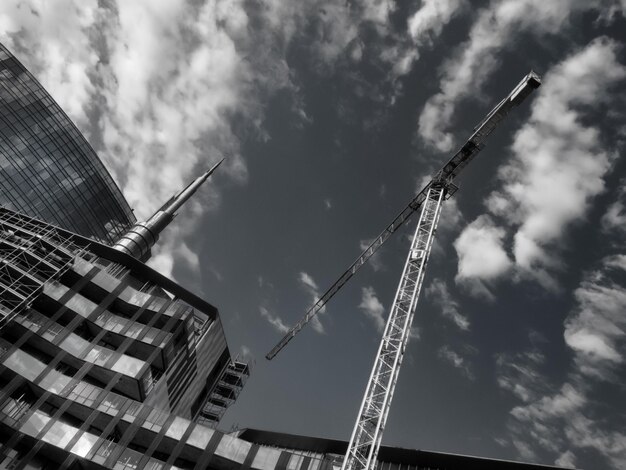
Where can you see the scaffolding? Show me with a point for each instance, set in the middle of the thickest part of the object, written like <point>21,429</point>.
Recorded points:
<point>31,254</point>
<point>224,393</point>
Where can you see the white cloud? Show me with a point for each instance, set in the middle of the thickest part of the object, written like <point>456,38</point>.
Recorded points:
<point>560,423</point>
<point>518,374</point>
<point>375,261</point>
<point>274,320</point>
<point>574,418</point>
<point>559,163</point>
<point>50,39</point>
<point>372,308</point>
<point>246,353</point>
<point>154,84</point>
<point>450,356</point>
<point>558,166</point>
<point>438,292</point>
<point>566,459</point>
<point>428,21</point>
<point>615,217</point>
<point>481,255</point>
<point>462,76</point>
<point>596,329</point>
<point>309,284</point>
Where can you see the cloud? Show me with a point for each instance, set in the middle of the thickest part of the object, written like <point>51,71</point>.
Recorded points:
<point>274,320</point>
<point>464,74</point>
<point>428,21</point>
<point>438,292</point>
<point>566,459</point>
<point>559,163</point>
<point>481,255</point>
<point>375,261</point>
<point>596,329</point>
<point>573,419</point>
<point>423,27</point>
<point>450,356</point>
<point>50,40</point>
<point>518,374</point>
<point>557,167</point>
<point>245,354</point>
<point>561,424</point>
<point>155,86</point>
<point>372,308</point>
<point>309,284</point>
<point>614,220</point>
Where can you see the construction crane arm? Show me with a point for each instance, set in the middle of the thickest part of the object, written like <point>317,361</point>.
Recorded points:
<point>447,174</point>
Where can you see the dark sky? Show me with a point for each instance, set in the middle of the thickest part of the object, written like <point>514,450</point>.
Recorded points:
<point>332,115</point>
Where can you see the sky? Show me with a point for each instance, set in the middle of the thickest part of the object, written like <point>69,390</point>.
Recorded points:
<point>332,115</point>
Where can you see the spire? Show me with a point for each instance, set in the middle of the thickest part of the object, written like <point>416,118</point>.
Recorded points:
<point>138,241</point>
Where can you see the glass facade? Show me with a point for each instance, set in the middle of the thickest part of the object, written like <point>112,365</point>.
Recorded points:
<point>47,168</point>
<point>101,358</point>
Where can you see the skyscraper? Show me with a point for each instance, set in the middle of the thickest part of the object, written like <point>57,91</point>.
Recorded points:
<point>102,357</point>
<point>47,168</point>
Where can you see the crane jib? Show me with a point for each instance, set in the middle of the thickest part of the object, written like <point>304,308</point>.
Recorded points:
<point>445,175</point>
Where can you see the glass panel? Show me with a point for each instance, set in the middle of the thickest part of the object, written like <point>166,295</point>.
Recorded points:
<point>294,462</point>
<point>128,365</point>
<point>99,355</point>
<point>81,305</point>
<point>24,364</point>
<point>54,382</point>
<point>235,449</point>
<point>15,408</point>
<point>200,436</point>
<point>266,458</point>
<point>315,464</point>
<point>103,452</point>
<point>128,460</point>
<point>35,423</point>
<point>84,444</point>
<point>60,434</point>
<point>155,420</point>
<point>154,464</point>
<point>177,428</point>
<point>74,344</point>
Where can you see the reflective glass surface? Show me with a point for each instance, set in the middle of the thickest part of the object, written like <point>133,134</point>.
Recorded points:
<point>47,168</point>
<point>60,434</point>
<point>35,424</point>
<point>235,449</point>
<point>84,444</point>
<point>24,364</point>
<point>200,436</point>
<point>177,428</point>
<point>265,458</point>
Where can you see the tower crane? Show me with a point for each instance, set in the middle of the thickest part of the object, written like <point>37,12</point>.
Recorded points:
<point>368,430</point>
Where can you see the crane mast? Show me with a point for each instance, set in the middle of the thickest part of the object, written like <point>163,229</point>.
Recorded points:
<point>367,434</point>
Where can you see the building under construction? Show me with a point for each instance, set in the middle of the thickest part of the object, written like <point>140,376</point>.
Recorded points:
<point>107,364</point>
